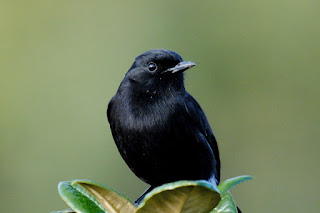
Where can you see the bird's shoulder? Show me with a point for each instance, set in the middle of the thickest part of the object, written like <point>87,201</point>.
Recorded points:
<point>195,113</point>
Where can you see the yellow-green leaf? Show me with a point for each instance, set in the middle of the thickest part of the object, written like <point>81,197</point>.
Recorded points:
<point>226,205</point>
<point>181,197</point>
<point>229,183</point>
<point>86,196</point>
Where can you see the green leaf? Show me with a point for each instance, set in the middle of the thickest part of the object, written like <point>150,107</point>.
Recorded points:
<point>77,200</point>
<point>64,211</point>
<point>182,197</point>
<point>229,183</point>
<point>87,196</point>
<point>226,205</point>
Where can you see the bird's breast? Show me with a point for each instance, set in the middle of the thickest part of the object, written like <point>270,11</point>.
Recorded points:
<point>148,115</point>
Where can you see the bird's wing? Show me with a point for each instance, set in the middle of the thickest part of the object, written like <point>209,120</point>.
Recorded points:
<point>109,109</point>
<point>197,115</point>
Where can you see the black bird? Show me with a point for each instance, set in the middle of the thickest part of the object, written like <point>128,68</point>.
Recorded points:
<point>159,128</point>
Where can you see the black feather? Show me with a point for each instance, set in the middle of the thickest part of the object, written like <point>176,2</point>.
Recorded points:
<point>159,128</point>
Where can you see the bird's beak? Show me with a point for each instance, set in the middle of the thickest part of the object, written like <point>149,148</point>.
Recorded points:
<point>182,66</point>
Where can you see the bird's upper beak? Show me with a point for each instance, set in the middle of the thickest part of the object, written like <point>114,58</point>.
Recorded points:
<point>182,66</point>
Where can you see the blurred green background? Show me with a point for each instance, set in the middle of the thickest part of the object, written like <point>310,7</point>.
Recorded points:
<point>257,80</point>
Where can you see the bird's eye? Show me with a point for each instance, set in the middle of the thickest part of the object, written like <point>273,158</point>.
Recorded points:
<point>152,67</point>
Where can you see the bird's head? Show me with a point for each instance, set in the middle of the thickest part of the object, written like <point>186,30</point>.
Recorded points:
<point>158,70</point>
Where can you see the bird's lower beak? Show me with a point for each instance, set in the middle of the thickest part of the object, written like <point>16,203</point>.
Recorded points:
<point>182,66</point>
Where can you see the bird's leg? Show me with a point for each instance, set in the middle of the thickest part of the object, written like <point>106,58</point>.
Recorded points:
<point>239,211</point>
<point>136,203</point>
